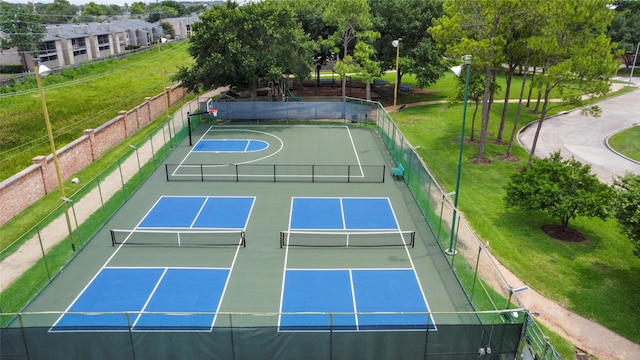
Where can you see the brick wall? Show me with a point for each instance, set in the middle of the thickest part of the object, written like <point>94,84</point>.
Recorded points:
<point>26,187</point>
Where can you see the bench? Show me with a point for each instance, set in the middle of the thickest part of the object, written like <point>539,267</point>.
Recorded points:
<point>398,172</point>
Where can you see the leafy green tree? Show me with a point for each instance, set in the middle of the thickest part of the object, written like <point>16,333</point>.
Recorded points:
<point>518,32</point>
<point>474,27</point>
<point>476,90</point>
<point>59,12</point>
<point>349,17</point>
<point>364,55</point>
<point>562,188</point>
<point>168,30</point>
<point>93,9</point>
<point>575,53</point>
<point>194,9</point>
<point>138,8</point>
<point>113,10</point>
<point>25,31</point>
<point>625,26</point>
<point>627,208</point>
<point>158,12</point>
<point>409,20</point>
<point>165,9</point>
<point>310,14</point>
<point>239,46</point>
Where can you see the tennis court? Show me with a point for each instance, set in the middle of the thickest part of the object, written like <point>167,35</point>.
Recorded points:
<point>288,257</point>
<point>333,298</point>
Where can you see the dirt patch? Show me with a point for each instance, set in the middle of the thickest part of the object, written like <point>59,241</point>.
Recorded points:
<point>483,161</point>
<point>568,234</point>
<point>510,158</point>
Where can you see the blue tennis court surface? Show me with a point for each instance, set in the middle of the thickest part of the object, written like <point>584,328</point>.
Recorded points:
<point>141,292</point>
<point>363,296</point>
<point>199,212</point>
<point>342,214</point>
<point>230,145</point>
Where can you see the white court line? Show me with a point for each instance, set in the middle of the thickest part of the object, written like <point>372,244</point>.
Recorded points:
<point>412,267</point>
<point>286,259</point>
<point>105,265</point>
<point>355,152</point>
<point>206,198</point>
<point>226,284</point>
<point>415,273</point>
<point>211,128</point>
<point>344,221</point>
<point>190,151</point>
<point>149,298</point>
<point>353,299</point>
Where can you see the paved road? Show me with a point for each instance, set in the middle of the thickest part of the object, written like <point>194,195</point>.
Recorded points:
<point>585,137</point>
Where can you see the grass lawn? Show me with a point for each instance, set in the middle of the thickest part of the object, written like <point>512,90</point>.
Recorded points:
<point>626,143</point>
<point>599,279</point>
<point>78,99</point>
<point>17,295</point>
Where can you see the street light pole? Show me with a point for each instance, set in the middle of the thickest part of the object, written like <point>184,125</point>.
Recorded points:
<point>396,44</point>
<point>635,58</point>
<point>466,61</point>
<point>53,150</point>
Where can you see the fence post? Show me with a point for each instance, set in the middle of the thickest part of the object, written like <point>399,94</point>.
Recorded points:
<point>44,255</point>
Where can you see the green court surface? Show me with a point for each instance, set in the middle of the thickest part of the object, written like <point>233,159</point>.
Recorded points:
<point>276,165</point>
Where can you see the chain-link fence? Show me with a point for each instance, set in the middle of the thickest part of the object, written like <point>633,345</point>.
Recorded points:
<point>473,264</point>
<point>100,198</point>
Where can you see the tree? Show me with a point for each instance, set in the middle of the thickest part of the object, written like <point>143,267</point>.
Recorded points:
<point>163,10</point>
<point>239,46</point>
<point>59,12</point>
<point>627,208</point>
<point>575,54</point>
<point>93,9</point>
<point>167,30</point>
<point>25,30</point>
<point>409,20</point>
<point>476,90</point>
<point>349,17</point>
<point>562,188</point>
<point>477,27</point>
<point>113,10</point>
<point>514,132</point>
<point>625,26</point>
<point>310,15</point>
<point>516,35</point>
<point>367,65</point>
<point>138,8</point>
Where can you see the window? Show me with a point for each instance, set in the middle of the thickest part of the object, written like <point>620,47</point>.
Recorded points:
<point>79,46</point>
<point>48,51</point>
<point>103,42</point>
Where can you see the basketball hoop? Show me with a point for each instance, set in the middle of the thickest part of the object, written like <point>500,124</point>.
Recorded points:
<point>213,112</point>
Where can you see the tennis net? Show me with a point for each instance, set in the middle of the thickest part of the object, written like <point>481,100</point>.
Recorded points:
<point>347,238</point>
<point>178,237</point>
<point>276,173</point>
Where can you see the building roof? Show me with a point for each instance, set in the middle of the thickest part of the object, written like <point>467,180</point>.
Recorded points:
<point>71,31</point>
